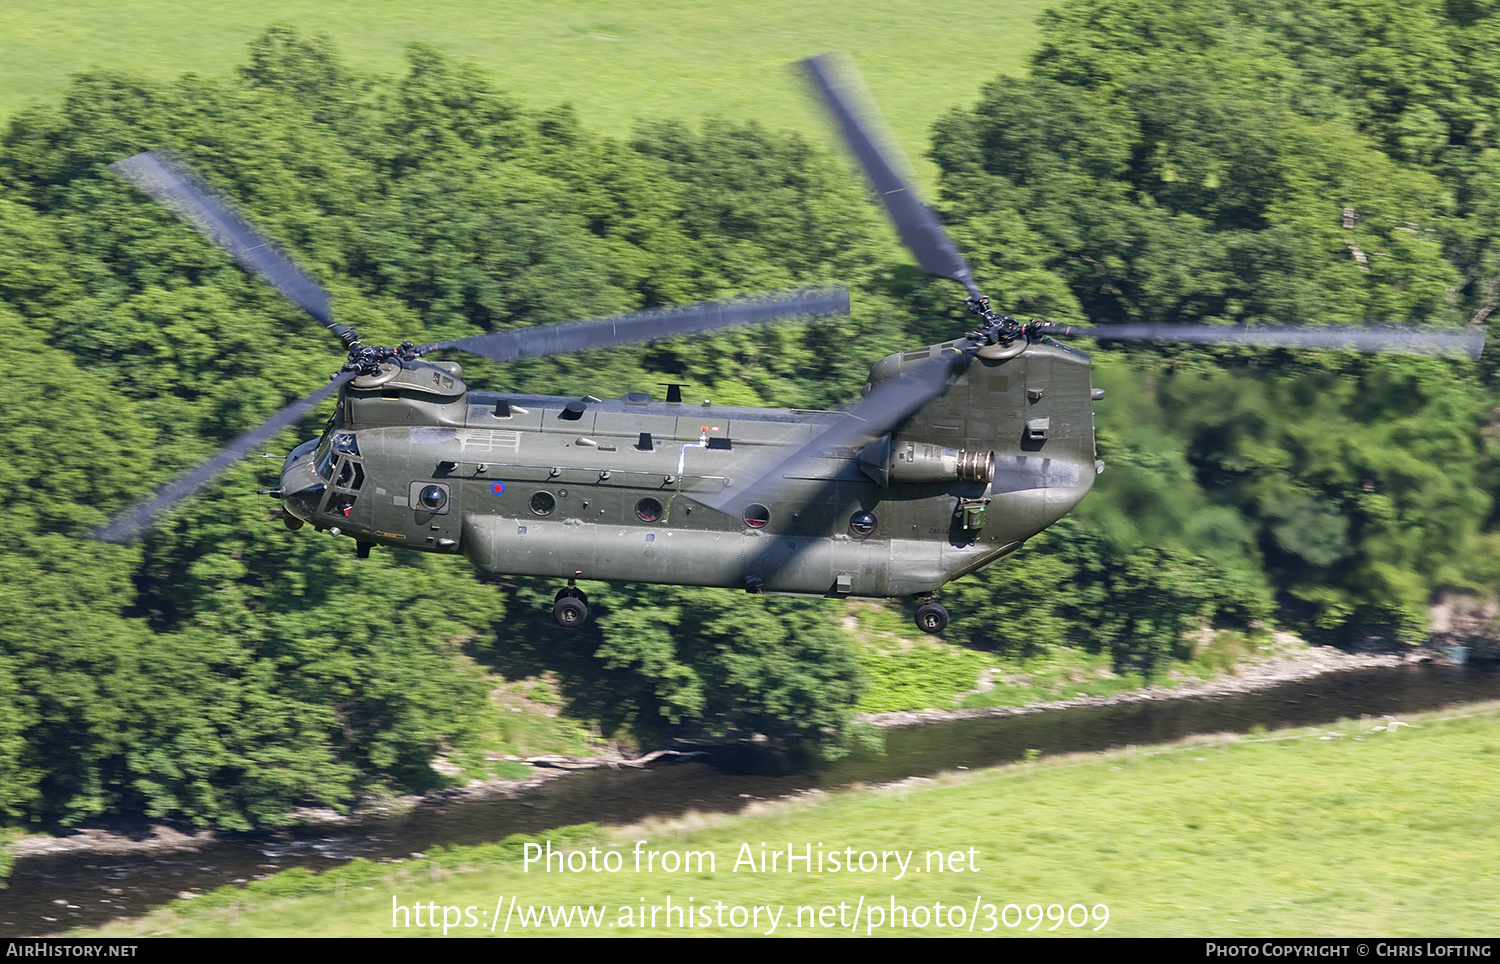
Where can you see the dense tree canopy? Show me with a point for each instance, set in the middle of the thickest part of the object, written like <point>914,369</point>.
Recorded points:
<point>1184,161</point>
<point>226,670</point>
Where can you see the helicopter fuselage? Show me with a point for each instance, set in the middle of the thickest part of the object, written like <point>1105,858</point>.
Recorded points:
<point>615,490</point>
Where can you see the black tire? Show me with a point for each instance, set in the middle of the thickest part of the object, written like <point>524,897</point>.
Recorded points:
<point>571,592</point>
<point>932,618</point>
<point>570,612</point>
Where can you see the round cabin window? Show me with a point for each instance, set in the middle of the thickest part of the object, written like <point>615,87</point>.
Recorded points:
<point>757,515</point>
<point>648,510</point>
<point>542,503</point>
<point>432,497</point>
<point>862,523</point>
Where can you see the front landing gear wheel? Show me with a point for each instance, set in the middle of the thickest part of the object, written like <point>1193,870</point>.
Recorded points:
<point>570,612</point>
<point>932,618</point>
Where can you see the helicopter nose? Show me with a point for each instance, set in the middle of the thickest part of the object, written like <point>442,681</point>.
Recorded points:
<point>304,502</point>
<point>301,487</point>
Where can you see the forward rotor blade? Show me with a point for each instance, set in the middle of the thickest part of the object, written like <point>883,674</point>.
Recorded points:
<point>648,326</point>
<point>132,522</point>
<point>170,183</point>
<point>919,227</point>
<point>892,402</point>
<point>1408,340</point>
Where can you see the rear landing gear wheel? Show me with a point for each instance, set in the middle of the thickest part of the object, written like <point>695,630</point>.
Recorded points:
<point>932,617</point>
<point>570,612</point>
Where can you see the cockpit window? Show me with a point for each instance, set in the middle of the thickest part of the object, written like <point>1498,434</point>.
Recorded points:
<point>351,474</point>
<point>333,445</point>
<point>324,464</point>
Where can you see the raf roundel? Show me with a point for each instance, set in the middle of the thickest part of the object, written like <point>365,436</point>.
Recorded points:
<point>497,487</point>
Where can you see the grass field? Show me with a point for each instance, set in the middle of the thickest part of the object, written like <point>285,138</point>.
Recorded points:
<point>1355,829</point>
<point>614,61</point>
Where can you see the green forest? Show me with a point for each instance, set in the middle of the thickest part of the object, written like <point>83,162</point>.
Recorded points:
<point>1334,161</point>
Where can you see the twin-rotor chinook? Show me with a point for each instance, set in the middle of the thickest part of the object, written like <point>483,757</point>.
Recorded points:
<point>959,453</point>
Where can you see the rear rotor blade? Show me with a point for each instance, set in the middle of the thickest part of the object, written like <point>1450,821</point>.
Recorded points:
<point>134,521</point>
<point>648,326</point>
<point>1408,340</point>
<point>890,403</point>
<point>919,227</point>
<point>170,183</point>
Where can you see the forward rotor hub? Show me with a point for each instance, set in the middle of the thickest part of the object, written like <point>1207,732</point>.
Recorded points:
<point>997,328</point>
<point>367,359</point>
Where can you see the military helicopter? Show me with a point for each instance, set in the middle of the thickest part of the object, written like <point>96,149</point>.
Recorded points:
<point>958,454</point>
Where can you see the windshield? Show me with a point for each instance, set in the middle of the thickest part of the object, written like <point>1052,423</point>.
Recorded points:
<point>330,447</point>
<point>324,462</point>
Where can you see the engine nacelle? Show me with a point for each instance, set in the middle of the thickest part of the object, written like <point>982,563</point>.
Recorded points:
<point>903,462</point>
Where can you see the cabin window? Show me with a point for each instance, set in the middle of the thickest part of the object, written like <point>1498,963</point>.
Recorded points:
<point>648,510</point>
<point>542,503</point>
<point>432,497</point>
<point>757,515</point>
<point>862,523</point>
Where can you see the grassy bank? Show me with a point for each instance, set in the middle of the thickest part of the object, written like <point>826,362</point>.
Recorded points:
<point>1355,829</point>
<point>907,670</point>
